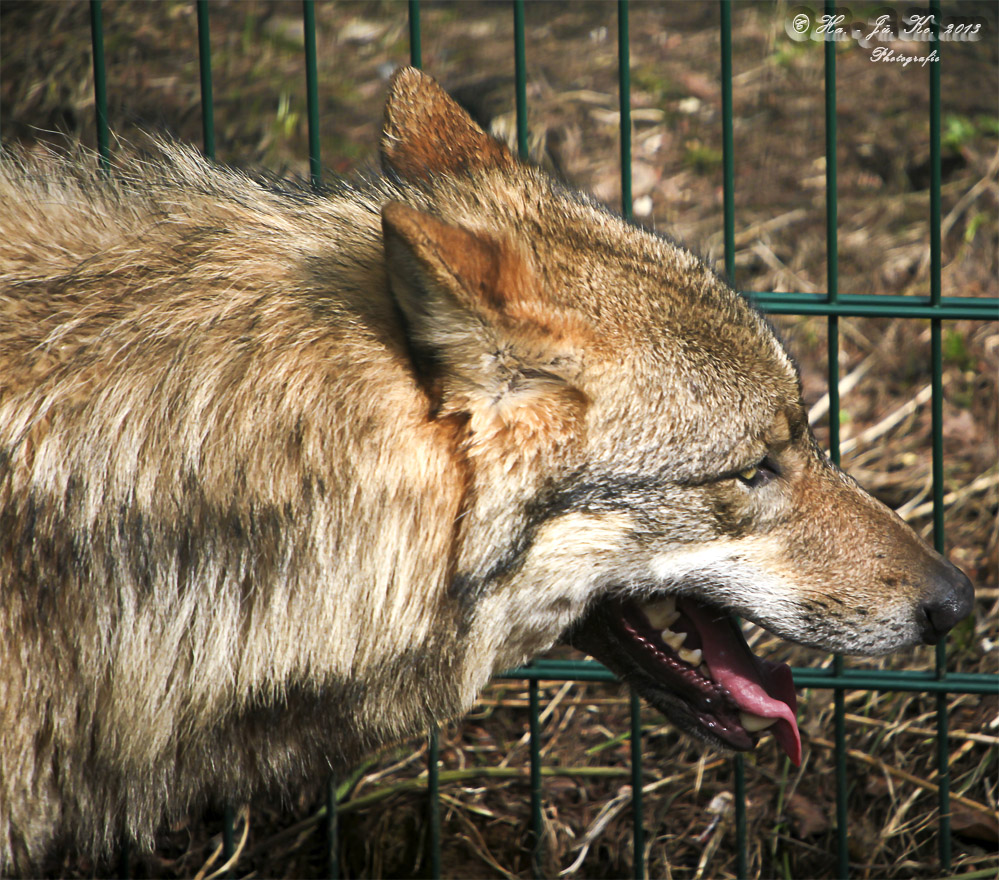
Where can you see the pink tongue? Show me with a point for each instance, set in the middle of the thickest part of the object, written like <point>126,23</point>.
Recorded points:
<point>756,685</point>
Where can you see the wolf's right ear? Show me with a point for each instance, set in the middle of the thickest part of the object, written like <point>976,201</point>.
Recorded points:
<point>427,134</point>
<point>484,337</point>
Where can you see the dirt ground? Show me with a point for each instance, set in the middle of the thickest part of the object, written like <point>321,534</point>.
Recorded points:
<point>46,96</point>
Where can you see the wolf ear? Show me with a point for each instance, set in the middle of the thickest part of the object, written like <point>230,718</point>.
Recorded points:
<point>478,325</point>
<point>426,133</point>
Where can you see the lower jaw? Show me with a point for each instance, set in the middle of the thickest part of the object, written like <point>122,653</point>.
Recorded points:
<point>714,730</point>
<point>709,729</point>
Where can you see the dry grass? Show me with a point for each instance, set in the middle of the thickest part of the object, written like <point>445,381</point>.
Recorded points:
<point>780,207</point>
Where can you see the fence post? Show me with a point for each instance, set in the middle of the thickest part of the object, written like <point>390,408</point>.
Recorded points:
<point>205,62</point>
<point>415,40</point>
<point>100,83</point>
<point>312,90</point>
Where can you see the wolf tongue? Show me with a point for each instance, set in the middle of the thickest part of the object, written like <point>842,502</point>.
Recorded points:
<point>758,686</point>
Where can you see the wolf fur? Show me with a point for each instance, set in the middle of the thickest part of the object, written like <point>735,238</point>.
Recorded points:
<point>285,475</point>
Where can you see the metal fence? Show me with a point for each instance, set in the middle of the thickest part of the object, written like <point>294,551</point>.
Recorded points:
<point>832,305</point>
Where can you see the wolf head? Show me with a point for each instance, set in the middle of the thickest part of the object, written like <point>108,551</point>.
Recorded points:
<point>639,464</point>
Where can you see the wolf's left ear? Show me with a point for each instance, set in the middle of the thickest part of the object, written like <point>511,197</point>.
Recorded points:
<point>426,133</point>
<point>478,322</point>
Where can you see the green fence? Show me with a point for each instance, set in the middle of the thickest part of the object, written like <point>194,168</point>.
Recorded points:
<point>831,304</point>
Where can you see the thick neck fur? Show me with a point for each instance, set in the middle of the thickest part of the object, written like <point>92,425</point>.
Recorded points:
<point>138,470</point>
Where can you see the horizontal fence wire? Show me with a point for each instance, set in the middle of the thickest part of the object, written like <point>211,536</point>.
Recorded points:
<point>804,677</point>
<point>832,305</point>
<point>878,305</point>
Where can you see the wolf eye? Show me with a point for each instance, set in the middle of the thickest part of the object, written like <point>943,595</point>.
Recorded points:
<point>758,474</point>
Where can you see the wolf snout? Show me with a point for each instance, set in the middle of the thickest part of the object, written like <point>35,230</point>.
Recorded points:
<point>947,602</point>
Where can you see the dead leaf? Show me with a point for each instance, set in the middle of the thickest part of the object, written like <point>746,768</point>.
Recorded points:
<point>807,817</point>
<point>976,826</point>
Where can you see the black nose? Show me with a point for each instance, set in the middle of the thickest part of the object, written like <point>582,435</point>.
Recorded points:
<point>947,603</point>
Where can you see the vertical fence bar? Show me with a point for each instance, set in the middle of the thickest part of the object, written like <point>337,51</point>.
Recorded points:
<point>228,841</point>
<point>624,97</point>
<point>832,240</point>
<point>124,859</point>
<point>638,827</point>
<point>627,210</point>
<point>537,817</point>
<point>415,44</point>
<point>728,152</point>
<point>520,75</point>
<point>741,857</point>
<point>205,62</point>
<point>935,236</point>
<point>312,90</point>
<point>728,190</point>
<point>434,801</point>
<point>832,243</point>
<point>332,831</point>
<point>936,362</point>
<point>537,823</point>
<point>832,342</point>
<point>100,83</point>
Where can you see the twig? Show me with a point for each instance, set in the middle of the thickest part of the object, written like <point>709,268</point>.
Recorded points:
<point>889,421</point>
<point>542,718</point>
<point>924,731</point>
<point>479,845</point>
<point>607,814</point>
<point>981,484</point>
<point>474,773</point>
<point>988,181</point>
<point>846,385</point>
<point>905,510</point>
<point>613,807</point>
<point>774,263</point>
<point>746,237</point>
<point>202,874</point>
<point>901,774</point>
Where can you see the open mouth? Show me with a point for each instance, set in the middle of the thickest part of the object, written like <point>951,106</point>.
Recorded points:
<point>691,662</point>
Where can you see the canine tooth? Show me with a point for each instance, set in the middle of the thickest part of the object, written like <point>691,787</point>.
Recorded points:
<point>673,639</point>
<point>691,657</point>
<point>663,613</point>
<point>755,723</point>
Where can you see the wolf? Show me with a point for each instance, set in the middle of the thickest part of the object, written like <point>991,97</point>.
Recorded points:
<point>286,475</point>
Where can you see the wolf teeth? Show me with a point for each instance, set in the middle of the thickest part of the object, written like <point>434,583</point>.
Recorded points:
<point>692,657</point>
<point>662,614</point>
<point>674,639</point>
<point>755,723</point>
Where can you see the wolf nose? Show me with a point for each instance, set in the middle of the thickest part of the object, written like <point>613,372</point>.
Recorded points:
<point>948,602</point>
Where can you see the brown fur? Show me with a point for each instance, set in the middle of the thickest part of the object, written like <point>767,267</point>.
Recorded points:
<point>286,475</point>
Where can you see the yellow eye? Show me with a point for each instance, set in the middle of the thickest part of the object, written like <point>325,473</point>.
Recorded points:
<point>749,474</point>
